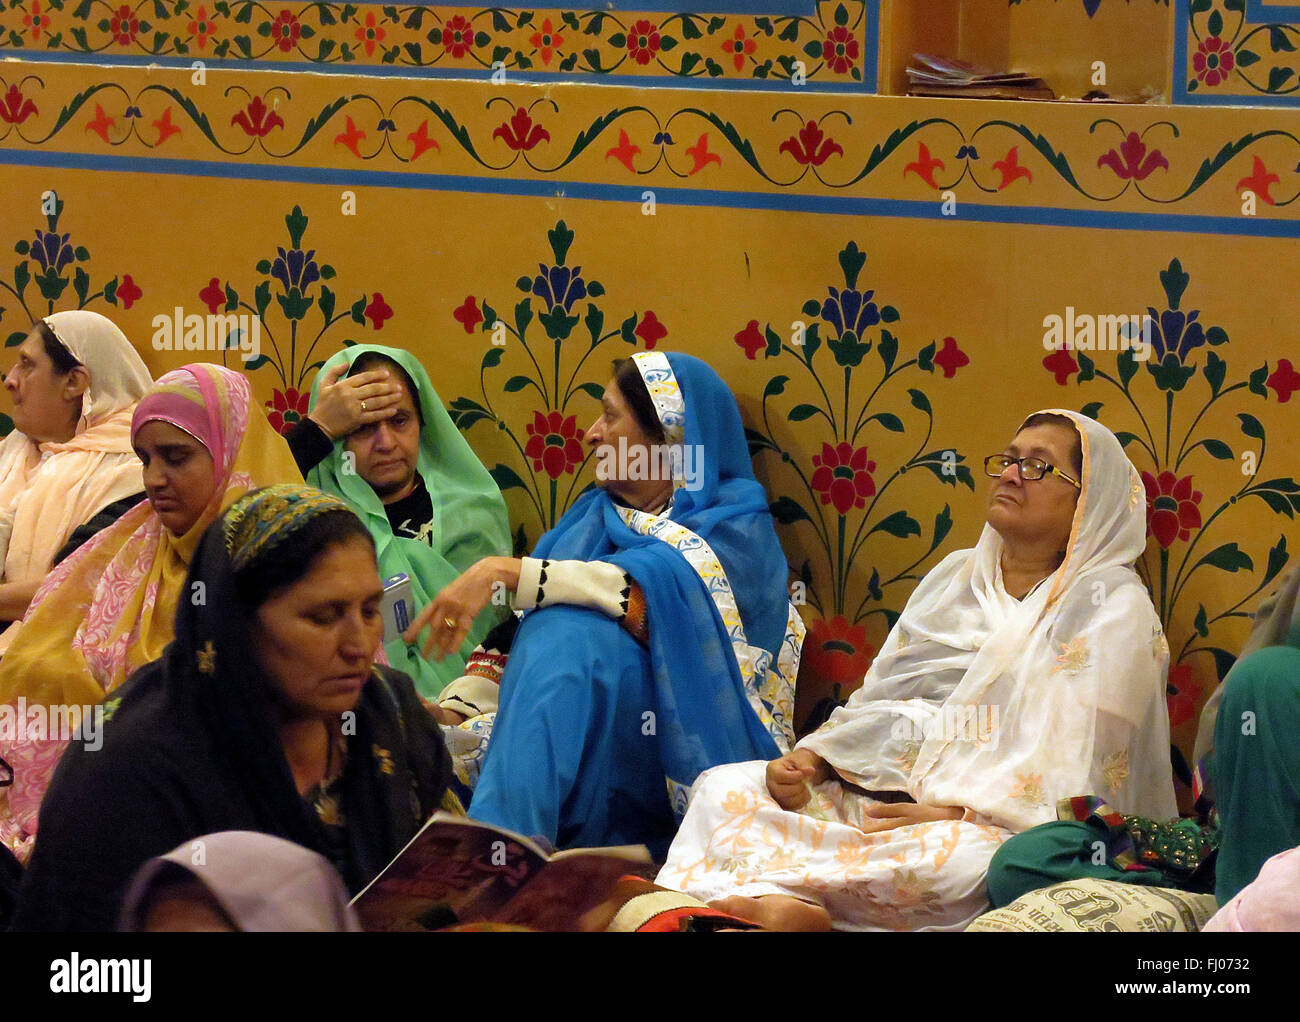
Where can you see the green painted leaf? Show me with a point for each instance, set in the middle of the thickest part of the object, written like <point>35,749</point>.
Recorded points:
<point>775,386</point>
<point>887,349</point>
<point>1201,624</point>
<point>1228,557</point>
<point>492,357</point>
<point>1277,558</point>
<point>1251,426</point>
<point>1278,77</point>
<point>1218,449</point>
<point>800,413</point>
<point>1214,371</point>
<point>1092,409</point>
<point>516,384</point>
<point>1278,40</point>
<point>773,343</point>
<point>16,338</point>
<point>1247,57</point>
<point>899,524</point>
<point>919,400</point>
<point>788,511</point>
<point>505,477</point>
<point>1215,25</point>
<point>890,421</point>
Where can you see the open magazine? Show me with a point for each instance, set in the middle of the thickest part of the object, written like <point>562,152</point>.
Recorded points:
<point>457,870</point>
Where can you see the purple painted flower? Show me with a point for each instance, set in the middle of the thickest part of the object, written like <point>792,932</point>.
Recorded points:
<point>559,286</point>
<point>295,269</point>
<point>52,250</point>
<point>1175,333</point>
<point>850,311</point>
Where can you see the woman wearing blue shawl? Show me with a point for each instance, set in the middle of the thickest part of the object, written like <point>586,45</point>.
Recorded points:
<point>598,710</point>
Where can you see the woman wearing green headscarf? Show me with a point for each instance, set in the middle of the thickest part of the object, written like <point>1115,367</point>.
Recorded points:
<point>427,500</point>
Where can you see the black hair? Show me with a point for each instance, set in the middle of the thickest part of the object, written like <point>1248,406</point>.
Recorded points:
<point>1052,419</point>
<point>62,358</point>
<point>291,559</point>
<point>633,389</point>
<point>368,360</point>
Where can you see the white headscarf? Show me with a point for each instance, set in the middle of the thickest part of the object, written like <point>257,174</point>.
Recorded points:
<point>48,489</point>
<point>263,883</point>
<point>1067,686</point>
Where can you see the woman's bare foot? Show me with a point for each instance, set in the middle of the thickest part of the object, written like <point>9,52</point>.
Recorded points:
<point>776,912</point>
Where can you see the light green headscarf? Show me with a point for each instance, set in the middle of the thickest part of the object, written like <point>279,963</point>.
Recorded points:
<point>469,518</point>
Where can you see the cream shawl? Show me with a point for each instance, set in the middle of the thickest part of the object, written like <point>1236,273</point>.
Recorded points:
<point>50,489</point>
<point>1004,706</point>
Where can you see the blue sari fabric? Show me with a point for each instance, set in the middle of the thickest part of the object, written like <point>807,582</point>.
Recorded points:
<point>591,724</point>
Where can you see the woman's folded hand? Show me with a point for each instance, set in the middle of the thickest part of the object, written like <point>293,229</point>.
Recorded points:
<point>790,778</point>
<point>904,814</point>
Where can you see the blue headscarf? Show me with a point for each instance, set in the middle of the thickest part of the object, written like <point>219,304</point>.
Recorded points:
<point>705,716</point>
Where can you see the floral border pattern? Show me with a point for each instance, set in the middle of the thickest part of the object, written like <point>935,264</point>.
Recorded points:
<point>1149,163</point>
<point>833,45</point>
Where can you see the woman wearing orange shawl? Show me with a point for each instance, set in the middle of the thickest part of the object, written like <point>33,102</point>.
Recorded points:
<point>74,386</point>
<point>110,607</point>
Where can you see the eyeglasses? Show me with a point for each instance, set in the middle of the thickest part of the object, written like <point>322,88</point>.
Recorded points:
<point>1031,469</point>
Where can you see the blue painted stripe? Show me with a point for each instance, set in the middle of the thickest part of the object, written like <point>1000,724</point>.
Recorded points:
<point>1260,11</point>
<point>831,205</point>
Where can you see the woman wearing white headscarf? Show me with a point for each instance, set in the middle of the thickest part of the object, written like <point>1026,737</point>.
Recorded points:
<point>238,880</point>
<point>1026,670</point>
<point>74,387</point>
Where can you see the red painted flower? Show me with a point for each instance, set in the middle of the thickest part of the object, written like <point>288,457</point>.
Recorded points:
<point>128,292</point>
<point>738,47</point>
<point>458,36</point>
<point>124,25</point>
<point>840,50</point>
<point>378,311</point>
<point>643,42</point>
<point>843,476</point>
<point>370,34</point>
<point>286,408</point>
<point>36,20</point>
<point>554,444</point>
<point>1213,61</point>
<point>650,330</point>
<point>1182,693</point>
<point>1259,182</point>
<point>950,358</point>
<point>16,107</point>
<point>1173,509</point>
<point>547,40</point>
<point>751,339</point>
<point>202,28</point>
<point>213,295</point>
<point>1062,364</point>
<point>520,132</point>
<point>1284,380</point>
<point>468,315</point>
<point>812,146</point>
<point>258,119</point>
<point>838,651</point>
<point>1129,162</point>
<point>285,31</point>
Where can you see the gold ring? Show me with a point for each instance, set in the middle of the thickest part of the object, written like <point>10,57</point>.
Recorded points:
<point>363,406</point>
<point>450,623</point>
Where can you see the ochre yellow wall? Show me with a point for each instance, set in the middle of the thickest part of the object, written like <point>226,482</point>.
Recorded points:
<point>751,225</point>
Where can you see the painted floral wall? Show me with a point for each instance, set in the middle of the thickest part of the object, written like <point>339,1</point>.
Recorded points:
<point>870,274</point>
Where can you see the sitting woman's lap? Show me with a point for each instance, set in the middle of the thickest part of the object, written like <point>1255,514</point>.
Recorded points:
<point>574,755</point>
<point>736,840</point>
